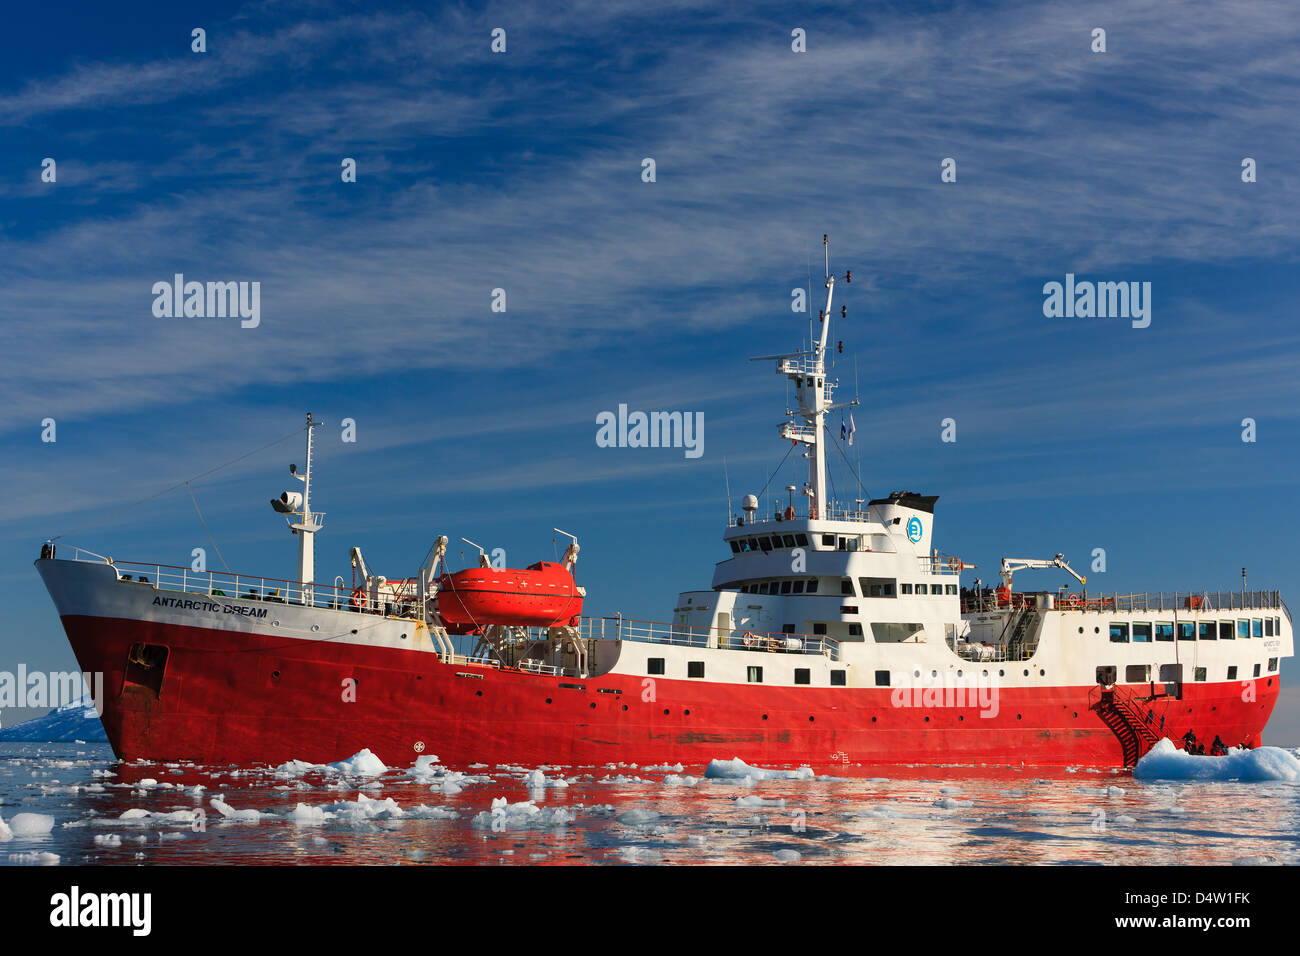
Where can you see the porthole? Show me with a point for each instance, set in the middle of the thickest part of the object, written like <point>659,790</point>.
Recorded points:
<point>811,719</point>
<point>593,705</point>
<point>478,693</point>
<point>1096,630</point>
<point>548,700</point>
<point>1001,672</point>
<point>873,720</point>
<point>1026,671</point>
<point>765,716</point>
<point>1042,673</point>
<point>1081,630</point>
<point>275,674</point>
<point>1017,716</point>
<point>315,627</point>
<point>665,711</point>
<point>686,713</point>
<point>927,720</point>
<point>625,706</point>
<point>961,716</point>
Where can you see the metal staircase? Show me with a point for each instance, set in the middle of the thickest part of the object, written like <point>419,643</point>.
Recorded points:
<point>1120,712</point>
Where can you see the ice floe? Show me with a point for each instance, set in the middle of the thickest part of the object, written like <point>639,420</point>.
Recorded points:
<point>1166,762</point>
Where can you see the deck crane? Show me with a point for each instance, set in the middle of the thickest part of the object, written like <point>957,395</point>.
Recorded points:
<point>1011,565</point>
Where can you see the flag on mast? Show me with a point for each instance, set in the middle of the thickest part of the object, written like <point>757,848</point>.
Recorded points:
<point>852,428</point>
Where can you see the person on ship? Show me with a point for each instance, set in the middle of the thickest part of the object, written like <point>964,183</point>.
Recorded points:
<point>1218,748</point>
<point>1189,741</point>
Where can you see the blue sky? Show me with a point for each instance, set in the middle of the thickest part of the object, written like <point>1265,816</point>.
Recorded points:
<point>522,171</point>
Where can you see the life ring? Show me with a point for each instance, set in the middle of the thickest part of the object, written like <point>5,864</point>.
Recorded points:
<point>748,639</point>
<point>954,564</point>
<point>1072,601</point>
<point>359,597</point>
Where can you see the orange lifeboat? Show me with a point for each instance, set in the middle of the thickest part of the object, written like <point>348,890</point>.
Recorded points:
<point>542,595</point>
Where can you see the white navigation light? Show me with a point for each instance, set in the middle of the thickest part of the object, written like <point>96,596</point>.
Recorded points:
<point>291,499</point>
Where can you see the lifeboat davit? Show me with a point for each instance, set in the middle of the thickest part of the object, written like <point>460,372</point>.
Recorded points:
<point>541,595</point>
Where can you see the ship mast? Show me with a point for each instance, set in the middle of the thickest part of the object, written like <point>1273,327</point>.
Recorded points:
<point>298,506</point>
<point>807,423</point>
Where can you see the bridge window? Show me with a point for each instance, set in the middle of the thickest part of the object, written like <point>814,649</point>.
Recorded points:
<point>753,544</point>
<point>802,539</point>
<point>855,630</point>
<point>882,678</point>
<point>1118,632</point>
<point>798,586</point>
<point>1243,630</point>
<point>762,587</point>
<point>1257,628</point>
<point>950,589</point>
<point>785,586</point>
<point>1208,631</point>
<point>846,586</point>
<point>754,675</point>
<point>828,541</point>
<point>654,665</point>
<point>695,669</point>
<point>802,675</point>
<point>905,589</point>
<point>837,679</point>
<point>765,544</point>
<point>922,589</point>
<point>787,540</point>
<point>1164,631</point>
<point>819,628</point>
<point>735,547</point>
<point>1141,632</point>
<point>1186,630</point>
<point>1225,631</point>
<point>877,587</point>
<point>1268,627</point>
<point>812,586</point>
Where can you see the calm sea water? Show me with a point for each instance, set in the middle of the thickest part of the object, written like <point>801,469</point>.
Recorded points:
<point>125,814</point>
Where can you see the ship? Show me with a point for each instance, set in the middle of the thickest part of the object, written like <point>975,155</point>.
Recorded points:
<point>832,635</point>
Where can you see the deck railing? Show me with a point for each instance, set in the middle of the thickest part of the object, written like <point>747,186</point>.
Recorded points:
<point>246,587</point>
<point>653,632</point>
<point>1146,601</point>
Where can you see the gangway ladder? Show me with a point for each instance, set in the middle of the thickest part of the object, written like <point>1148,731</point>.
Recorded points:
<point>1117,709</point>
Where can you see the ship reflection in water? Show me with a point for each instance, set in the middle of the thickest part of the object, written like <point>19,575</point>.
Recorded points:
<point>620,815</point>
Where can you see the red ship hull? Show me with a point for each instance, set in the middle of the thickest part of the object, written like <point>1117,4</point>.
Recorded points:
<point>543,595</point>
<point>245,698</point>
